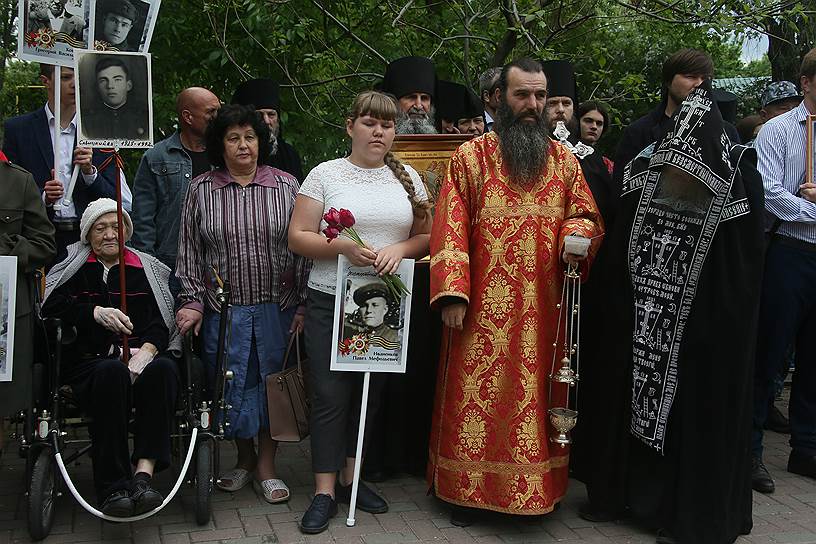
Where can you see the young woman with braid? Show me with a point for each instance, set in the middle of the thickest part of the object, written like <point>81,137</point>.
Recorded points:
<point>393,216</point>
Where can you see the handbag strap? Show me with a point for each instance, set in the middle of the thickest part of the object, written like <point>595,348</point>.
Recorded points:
<point>294,340</point>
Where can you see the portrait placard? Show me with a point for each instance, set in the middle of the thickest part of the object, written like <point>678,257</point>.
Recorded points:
<point>49,30</point>
<point>811,149</point>
<point>370,327</point>
<point>8,302</point>
<point>428,154</point>
<point>123,25</point>
<point>114,99</point>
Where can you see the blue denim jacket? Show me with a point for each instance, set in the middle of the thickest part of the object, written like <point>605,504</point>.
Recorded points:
<point>158,195</point>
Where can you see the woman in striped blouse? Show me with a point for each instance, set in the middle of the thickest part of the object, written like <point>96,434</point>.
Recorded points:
<point>235,221</point>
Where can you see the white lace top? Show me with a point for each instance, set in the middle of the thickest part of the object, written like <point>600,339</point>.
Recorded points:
<point>376,198</point>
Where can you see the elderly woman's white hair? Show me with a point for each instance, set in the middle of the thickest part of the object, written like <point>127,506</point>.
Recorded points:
<point>97,209</point>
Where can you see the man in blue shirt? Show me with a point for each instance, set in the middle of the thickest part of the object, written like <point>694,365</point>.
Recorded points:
<point>788,299</point>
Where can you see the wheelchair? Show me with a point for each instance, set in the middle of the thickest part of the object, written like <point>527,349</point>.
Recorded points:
<point>49,438</point>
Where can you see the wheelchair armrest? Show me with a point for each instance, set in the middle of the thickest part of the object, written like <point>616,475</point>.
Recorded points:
<point>55,324</point>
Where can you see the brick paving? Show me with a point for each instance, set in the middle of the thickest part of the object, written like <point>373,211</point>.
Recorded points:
<point>787,516</point>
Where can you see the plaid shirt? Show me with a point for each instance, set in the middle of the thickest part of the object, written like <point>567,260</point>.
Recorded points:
<point>242,233</point>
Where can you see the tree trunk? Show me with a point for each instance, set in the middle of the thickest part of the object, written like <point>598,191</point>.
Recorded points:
<point>788,42</point>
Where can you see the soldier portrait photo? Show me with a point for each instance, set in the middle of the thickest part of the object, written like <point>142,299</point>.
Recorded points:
<point>123,25</point>
<point>51,29</point>
<point>114,99</point>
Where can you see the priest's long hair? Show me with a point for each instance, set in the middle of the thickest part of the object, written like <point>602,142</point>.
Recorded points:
<point>384,107</point>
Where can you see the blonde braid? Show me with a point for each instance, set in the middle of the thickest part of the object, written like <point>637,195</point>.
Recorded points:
<point>421,208</point>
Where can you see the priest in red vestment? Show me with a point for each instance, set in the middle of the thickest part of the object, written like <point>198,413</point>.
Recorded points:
<point>507,202</point>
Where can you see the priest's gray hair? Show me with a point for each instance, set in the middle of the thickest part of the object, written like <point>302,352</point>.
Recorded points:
<point>416,125</point>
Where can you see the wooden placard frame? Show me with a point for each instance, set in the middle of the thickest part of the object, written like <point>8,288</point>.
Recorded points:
<point>428,154</point>
<point>811,149</point>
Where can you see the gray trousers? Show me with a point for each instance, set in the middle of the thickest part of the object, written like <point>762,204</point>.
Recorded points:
<point>335,397</point>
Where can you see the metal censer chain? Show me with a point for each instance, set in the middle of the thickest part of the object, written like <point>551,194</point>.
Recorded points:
<point>566,372</point>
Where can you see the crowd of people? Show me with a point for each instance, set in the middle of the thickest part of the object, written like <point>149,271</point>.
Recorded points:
<point>697,243</point>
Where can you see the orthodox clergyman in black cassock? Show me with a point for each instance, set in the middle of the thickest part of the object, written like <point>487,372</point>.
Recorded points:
<point>264,96</point>
<point>412,81</point>
<point>669,413</point>
<point>458,109</point>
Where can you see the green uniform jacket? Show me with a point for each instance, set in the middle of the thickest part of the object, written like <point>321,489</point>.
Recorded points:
<point>25,232</point>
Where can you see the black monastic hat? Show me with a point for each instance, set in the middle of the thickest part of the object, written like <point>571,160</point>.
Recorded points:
<point>561,79</point>
<point>727,102</point>
<point>260,93</point>
<point>455,101</point>
<point>410,75</point>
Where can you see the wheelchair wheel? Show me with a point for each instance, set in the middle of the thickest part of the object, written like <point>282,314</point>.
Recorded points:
<point>203,481</point>
<point>42,495</point>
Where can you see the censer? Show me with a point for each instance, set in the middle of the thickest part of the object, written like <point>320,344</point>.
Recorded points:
<point>566,372</point>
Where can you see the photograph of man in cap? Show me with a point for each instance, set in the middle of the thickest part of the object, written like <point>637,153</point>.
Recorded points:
<point>377,314</point>
<point>113,97</point>
<point>116,25</point>
<point>264,96</point>
<point>412,80</point>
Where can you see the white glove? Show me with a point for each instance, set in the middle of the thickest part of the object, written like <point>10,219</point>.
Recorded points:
<point>138,362</point>
<point>113,320</point>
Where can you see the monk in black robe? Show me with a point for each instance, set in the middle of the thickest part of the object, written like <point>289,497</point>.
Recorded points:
<point>669,413</point>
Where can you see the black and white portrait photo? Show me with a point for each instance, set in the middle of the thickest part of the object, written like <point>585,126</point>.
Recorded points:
<point>51,29</point>
<point>123,25</point>
<point>114,99</point>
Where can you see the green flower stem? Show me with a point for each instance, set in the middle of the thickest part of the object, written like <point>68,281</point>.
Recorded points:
<point>394,284</point>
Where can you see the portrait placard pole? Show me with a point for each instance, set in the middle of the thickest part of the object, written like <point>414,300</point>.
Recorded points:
<point>121,238</point>
<point>57,76</point>
<point>355,484</point>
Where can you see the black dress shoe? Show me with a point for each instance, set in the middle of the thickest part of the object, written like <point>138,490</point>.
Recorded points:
<point>804,465</point>
<point>462,517</point>
<point>664,537</point>
<point>760,478</point>
<point>316,519</point>
<point>144,497</point>
<point>118,504</point>
<point>367,500</point>
<point>596,515</point>
<point>776,421</point>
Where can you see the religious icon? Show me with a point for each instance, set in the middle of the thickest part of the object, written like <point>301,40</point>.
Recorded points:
<point>49,30</point>
<point>114,99</point>
<point>371,324</point>
<point>811,148</point>
<point>123,25</point>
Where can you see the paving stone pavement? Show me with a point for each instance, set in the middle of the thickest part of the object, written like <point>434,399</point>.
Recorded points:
<point>787,516</point>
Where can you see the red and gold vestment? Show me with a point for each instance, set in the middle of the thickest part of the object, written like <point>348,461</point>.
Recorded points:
<point>497,245</point>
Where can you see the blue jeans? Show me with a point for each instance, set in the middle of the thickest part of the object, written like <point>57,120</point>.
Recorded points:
<point>787,317</point>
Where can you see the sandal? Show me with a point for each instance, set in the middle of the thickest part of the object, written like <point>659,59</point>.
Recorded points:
<point>233,480</point>
<point>268,487</point>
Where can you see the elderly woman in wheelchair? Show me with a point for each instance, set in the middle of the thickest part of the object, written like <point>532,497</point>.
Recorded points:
<point>84,291</point>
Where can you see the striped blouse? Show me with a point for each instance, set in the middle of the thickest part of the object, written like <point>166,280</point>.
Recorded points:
<point>242,233</point>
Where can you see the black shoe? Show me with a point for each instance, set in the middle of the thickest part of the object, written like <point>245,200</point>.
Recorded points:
<point>145,498</point>
<point>596,515</point>
<point>462,517</point>
<point>777,422</point>
<point>663,537</point>
<point>316,519</point>
<point>760,478</point>
<point>804,465</point>
<point>367,500</point>
<point>118,504</point>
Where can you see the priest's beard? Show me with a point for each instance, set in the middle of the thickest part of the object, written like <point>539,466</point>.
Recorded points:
<point>416,125</point>
<point>525,146</point>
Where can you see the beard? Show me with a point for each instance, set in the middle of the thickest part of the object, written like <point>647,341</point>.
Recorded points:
<point>416,125</point>
<point>525,147</point>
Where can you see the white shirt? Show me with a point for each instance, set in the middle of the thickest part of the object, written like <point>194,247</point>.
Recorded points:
<point>67,139</point>
<point>377,199</point>
<point>781,160</point>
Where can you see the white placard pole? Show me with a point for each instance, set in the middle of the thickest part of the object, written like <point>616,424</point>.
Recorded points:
<point>57,117</point>
<point>66,198</point>
<point>358,460</point>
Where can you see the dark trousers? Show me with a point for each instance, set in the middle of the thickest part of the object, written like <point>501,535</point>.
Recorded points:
<point>335,397</point>
<point>787,317</point>
<point>105,393</point>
